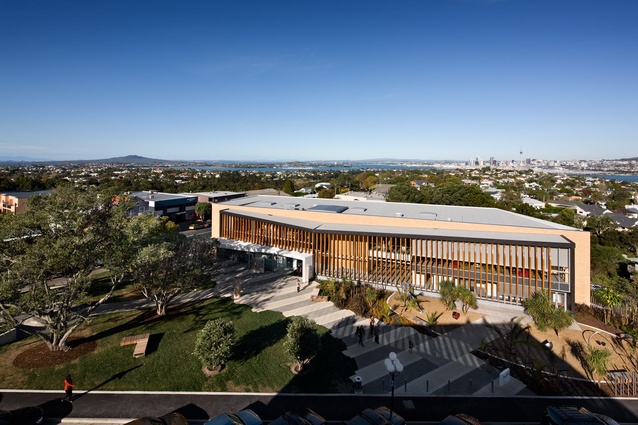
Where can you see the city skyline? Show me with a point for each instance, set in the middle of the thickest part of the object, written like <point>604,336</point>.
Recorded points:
<point>288,80</point>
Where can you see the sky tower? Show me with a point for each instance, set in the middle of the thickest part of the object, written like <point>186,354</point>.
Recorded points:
<point>520,161</point>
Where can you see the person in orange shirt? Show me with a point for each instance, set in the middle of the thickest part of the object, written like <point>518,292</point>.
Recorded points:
<point>68,388</point>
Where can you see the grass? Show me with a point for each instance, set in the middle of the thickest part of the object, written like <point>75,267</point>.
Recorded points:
<point>258,362</point>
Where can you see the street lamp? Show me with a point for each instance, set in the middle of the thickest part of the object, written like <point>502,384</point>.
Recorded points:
<point>394,367</point>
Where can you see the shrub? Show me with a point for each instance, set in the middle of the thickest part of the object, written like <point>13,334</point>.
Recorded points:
<point>467,298</point>
<point>302,341</point>
<point>598,360</point>
<point>448,294</point>
<point>359,304</point>
<point>545,315</point>
<point>215,343</point>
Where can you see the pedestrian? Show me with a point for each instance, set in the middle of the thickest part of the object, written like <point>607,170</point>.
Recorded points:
<point>410,345</point>
<point>68,388</point>
<point>298,285</point>
<point>371,326</point>
<point>377,332</point>
<point>360,333</point>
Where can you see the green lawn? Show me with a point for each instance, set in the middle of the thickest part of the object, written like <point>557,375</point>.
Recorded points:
<point>258,362</point>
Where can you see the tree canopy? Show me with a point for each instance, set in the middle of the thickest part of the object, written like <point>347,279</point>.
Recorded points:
<point>47,257</point>
<point>166,263</point>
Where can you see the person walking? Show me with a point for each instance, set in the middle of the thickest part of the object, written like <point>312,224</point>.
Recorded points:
<point>410,345</point>
<point>68,388</point>
<point>371,326</point>
<point>360,333</point>
<point>377,332</point>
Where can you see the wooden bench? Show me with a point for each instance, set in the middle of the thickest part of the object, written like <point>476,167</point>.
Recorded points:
<point>140,341</point>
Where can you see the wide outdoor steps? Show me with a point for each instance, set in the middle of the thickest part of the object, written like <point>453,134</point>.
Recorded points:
<point>441,365</point>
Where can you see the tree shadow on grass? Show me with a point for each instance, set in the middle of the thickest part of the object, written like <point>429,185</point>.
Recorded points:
<point>257,340</point>
<point>327,372</point>
<point>115,376</point>
<point>200,310</point>
<point>154,342</point>
<point>223,307</point>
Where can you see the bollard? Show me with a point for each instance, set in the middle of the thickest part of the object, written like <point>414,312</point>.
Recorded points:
<point>405,385</point>
<point>492,386</point>
<point>427,386</point>
<point>448,385</point>
<point>358,385</point>
<point>383,385</point>
<point>470,384</point>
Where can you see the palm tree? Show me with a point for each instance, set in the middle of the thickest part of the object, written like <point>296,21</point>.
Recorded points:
<point>545,314</point>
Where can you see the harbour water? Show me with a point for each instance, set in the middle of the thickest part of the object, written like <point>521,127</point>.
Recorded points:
<point>337,167</point>
<point>632,179</point>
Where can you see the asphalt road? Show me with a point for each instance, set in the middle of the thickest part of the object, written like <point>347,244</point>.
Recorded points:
<point>198,407</point>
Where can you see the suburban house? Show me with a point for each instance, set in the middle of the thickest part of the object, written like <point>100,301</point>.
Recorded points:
<point>589,210</point>
<point>15,202</point>
<point>501,256</point>
<point>535,203</point>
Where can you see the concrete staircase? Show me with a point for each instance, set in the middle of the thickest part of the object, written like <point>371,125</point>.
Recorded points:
<point>442,365</point>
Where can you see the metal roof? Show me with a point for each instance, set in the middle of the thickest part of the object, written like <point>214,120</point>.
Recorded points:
<point>475,215</point>
<point>442,234</point>
<point>22,194</point>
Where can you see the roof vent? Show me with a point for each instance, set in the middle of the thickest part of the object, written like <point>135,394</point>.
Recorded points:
<point>399,214</point>
<point>428,214</point>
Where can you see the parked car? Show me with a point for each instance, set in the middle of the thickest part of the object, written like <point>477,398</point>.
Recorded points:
<point>243,417</point>
<point>31,415</point>
<point>310,417</point>
<point>379,416</point>
<point>196,226</point>
<point>460,419</point>
<point>168,419</point>
<point>572,415</point>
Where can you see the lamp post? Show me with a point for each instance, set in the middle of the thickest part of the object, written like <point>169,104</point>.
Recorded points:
<point>394,367</point>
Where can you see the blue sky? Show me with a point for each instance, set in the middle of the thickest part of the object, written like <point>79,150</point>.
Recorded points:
<point>319,79</point>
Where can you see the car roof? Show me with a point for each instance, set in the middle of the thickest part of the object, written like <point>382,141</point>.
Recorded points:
<point>572,415</point>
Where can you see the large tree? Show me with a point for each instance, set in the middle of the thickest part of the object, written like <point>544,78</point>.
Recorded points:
<point>404,192</point>
<point>203,210</point>
<point>167,263</point>
<point>599,224</point>
<point>47,258</point>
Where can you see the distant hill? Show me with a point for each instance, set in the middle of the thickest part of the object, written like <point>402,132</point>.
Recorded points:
<point>129,159</point>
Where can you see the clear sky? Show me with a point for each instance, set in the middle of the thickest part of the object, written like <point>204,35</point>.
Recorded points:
<point>319,79</point>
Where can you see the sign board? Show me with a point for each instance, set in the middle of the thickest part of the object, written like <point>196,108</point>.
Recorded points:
<point>504,377</point>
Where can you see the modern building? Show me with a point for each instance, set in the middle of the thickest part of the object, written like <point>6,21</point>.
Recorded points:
<point>216,196</point>
<point>501,256</point>
<point>176,207</point>
<point>15,202</point>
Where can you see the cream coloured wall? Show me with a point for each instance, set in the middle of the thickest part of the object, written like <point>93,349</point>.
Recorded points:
<point>579,238</point>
